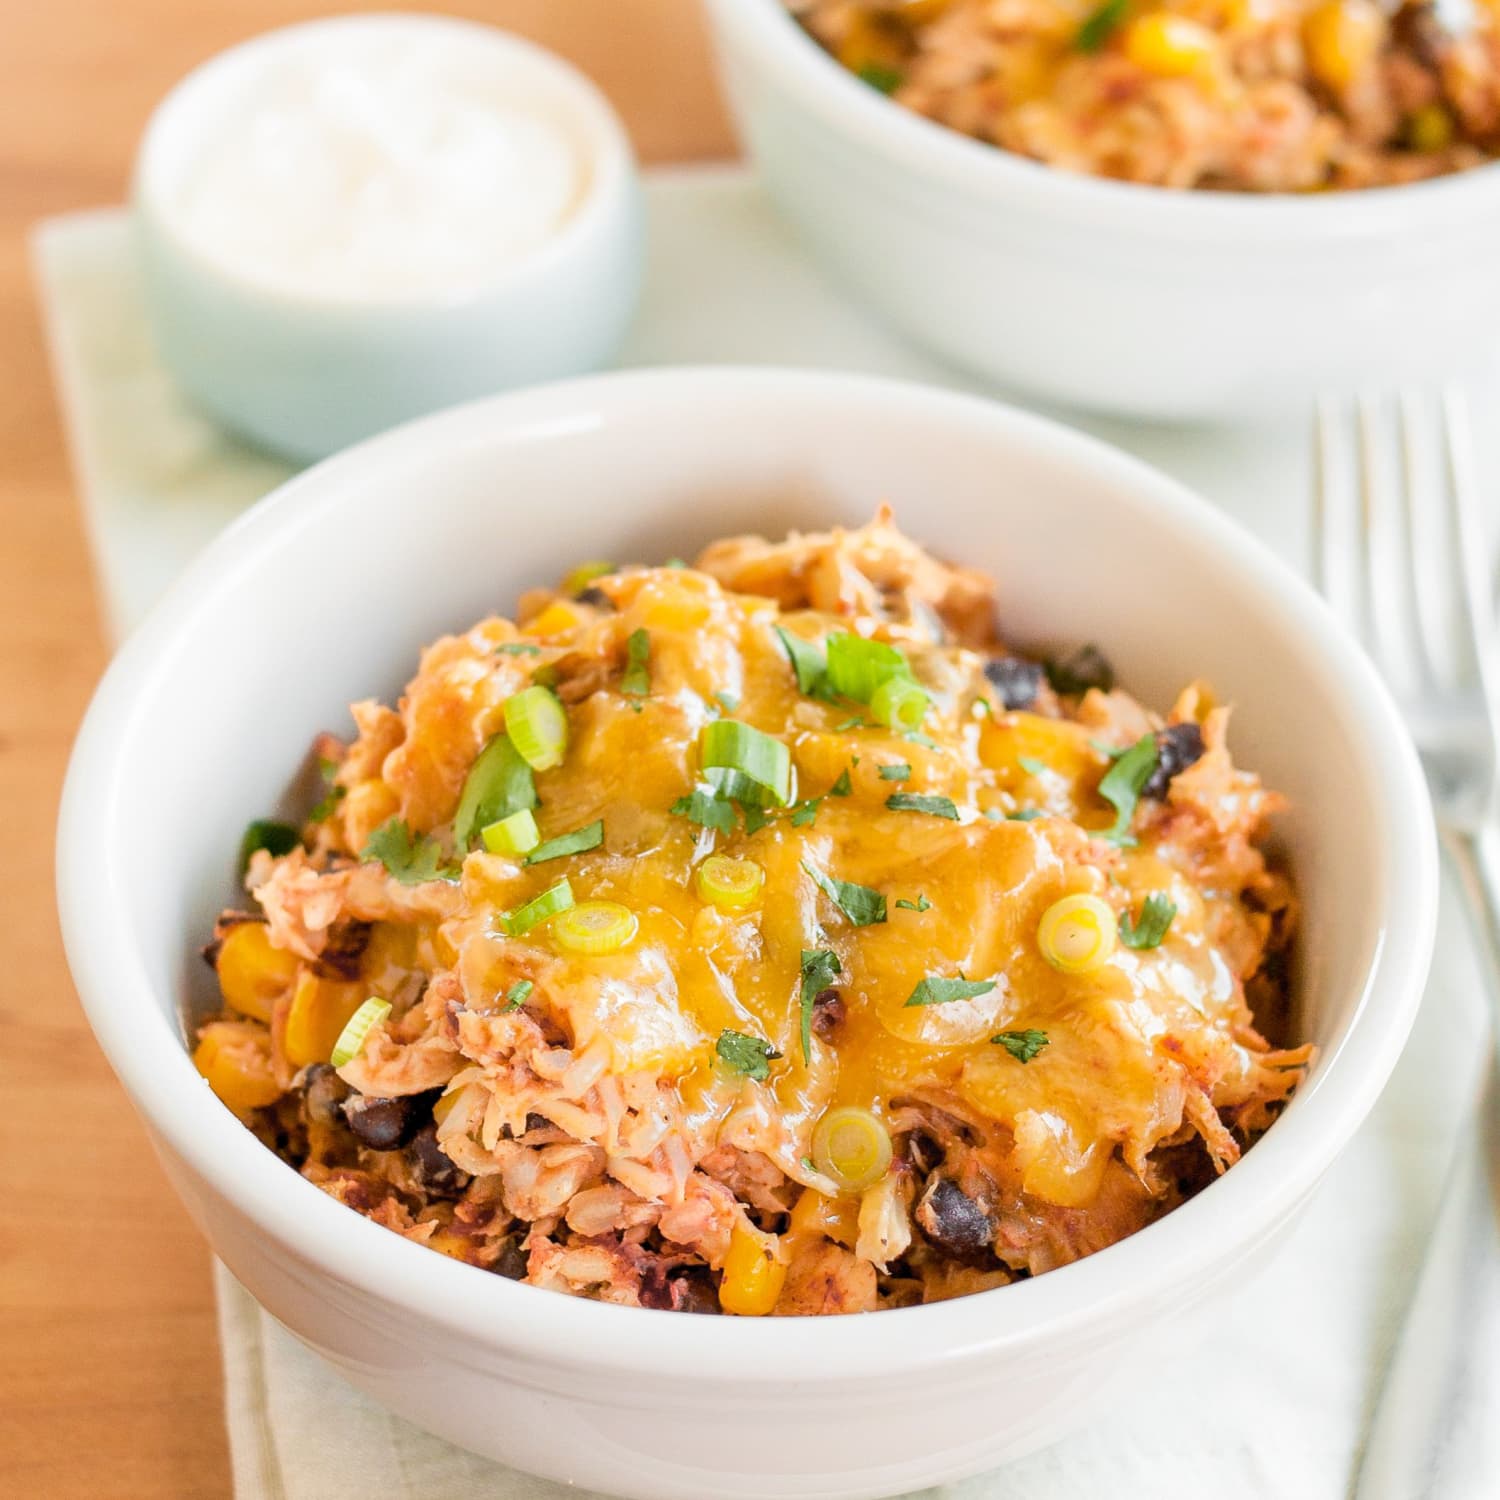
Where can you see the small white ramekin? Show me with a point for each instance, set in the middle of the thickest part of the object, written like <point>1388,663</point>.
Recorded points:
<point>1110,295</point>
<point>261,644</point>
<point>306,376</point>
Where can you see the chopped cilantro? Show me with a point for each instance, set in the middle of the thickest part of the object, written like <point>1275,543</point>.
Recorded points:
<point>916,737</point>
<point>265,833</point>
<point>1032,766</point>
<point>727,701</point>
<point>933,991</point>
<point>853,723</point>
<point>1122,784</point>
<point>410,859</point>
<point>804,814</point>
<point>1156,916</point>
<point>517,995</point>
<point>899,772</point>
<point>517,648</point>
<point>1108,751</point>
<point>881,78</point>
<point>1022,1045</point>
<point>819,968</point>
<point>636,681</point>
<point>1100,25</point>
<point>707,809</point>
<point>577,842</point>
<point>755,818</point>
<point>843,786</point>
<point>920,904</point>
<point>1024,814</point>
<point>333,794</point>
<point>746,1054</point>
<point>863,907</point>
<point>938,807</point>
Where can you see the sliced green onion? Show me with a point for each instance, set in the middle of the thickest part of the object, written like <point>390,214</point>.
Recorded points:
<point>595,927</point>
<point>356,1029</point>
<point>517,995</point>
<point>729,882</point>
<point>584,574</point>
<point>516,834</point>
<point>852,1147</point>
<point>746,765</point>
<point>899,703</point>
<point>542,908</point>
<point>636,683</point>
<point>498,784</point>
<point>857,667</point>
<point>538,727</point>
<point>578,842</point>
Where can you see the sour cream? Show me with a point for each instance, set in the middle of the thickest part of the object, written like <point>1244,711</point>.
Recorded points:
<point>376,166</point>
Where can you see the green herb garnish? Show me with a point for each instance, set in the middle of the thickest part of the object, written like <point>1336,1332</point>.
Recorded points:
<point>578,842</point>
<point>409,859</point>
<point>727,701</point>
<point>1024,814</point>
<point>1032,766</point>
<point>636,681</point>
<point>934,991</point>
<point>863,907</point>
<point>808,662</point>
<point>937,807</point>
<point>499,783</point>
<point>517,648</point>
<point>517,995</point>
<point>333,794</point>
<point>843,787</point>
<point>1122,784</point>
<point>1156,916</point>
<point>920,904</point>
<point>899,772</point>
<point>746,1054</point>
<point>265,833</point>
<point>1100,25</point>
<point>820,966</point>
<point>878,76</point>
<point>707,809</point>
<point>1022,1045</point>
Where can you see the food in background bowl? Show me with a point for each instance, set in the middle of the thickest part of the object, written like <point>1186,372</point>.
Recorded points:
<point>1251,95</point>
<point>762,937</point>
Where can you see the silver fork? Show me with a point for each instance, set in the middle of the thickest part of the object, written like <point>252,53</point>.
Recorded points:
<point>1403,556</point>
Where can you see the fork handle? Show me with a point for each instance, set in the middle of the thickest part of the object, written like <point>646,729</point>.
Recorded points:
<point>1434,1435</point>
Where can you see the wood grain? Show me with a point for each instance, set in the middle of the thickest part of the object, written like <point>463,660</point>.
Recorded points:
<point>109,1372</point>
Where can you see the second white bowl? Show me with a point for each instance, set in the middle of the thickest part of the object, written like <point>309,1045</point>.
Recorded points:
<point>1108,295</point>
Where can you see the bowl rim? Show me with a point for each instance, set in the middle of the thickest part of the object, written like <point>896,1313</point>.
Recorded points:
<point>1406,211</point>
<point>607,167</point>
<point>1151,1268</point>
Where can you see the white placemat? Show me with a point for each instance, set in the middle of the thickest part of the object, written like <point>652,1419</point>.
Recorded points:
<point>1274,1407</point>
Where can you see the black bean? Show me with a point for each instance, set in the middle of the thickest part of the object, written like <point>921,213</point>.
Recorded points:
<point>1177,747</point>
<point>596,597</point>
<point>431,1168</point>
<point>828,1013</point>
<point>512,1262</point>
<point>383,1124</point>
<point>1016,680</point>
<point>322,1092</point>
<point>1088,667</point>
<point>953,1221</point>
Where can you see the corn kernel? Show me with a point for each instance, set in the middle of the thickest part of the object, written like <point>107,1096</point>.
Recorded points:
<point>1429,128</point>
<point>1342,38</point>
<point>1077,934</point>
<point>836,1218</point>
<point>557,618</point>
<point>320,1010</point>
<point>235,1058</point>
<point>753,1273</point>
<point>1170,46</point>
<point>869,43</point>
<point>253,972</point>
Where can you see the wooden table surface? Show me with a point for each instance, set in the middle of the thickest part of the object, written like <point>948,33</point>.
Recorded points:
<point>109,1369</point>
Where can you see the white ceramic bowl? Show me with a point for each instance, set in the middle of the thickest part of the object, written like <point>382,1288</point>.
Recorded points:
<point>306,375</point>
<point>1102,294</point>
<point>324,592</point>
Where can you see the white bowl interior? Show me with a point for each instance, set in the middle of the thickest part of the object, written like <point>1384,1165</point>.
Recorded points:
<point>325,593</point>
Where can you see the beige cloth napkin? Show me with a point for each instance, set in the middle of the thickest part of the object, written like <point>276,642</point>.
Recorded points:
<point>1275,1407</point>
